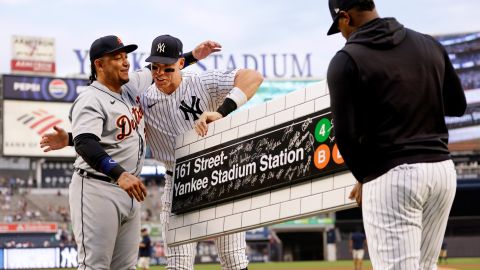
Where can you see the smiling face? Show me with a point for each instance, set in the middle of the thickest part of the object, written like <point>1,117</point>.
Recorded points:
<point>112,70</point>
<point>167,77</point>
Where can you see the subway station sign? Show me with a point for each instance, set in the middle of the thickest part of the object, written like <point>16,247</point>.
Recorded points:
<point>293,152</point>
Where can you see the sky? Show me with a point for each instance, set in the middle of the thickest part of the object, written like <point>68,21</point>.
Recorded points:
<point>246,27</point>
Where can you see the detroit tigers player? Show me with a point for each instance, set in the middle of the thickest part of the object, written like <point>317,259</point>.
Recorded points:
<point>108,131</point>
<point>171,106</point>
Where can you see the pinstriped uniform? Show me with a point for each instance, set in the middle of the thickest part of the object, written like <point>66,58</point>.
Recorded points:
<point>168,116</point>
<point>408,206</point>
<point>391,88</point>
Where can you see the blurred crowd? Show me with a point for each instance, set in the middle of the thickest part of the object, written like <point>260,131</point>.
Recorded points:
<point>63,237</point>
<point>16,208</point>
<point>13,183</point>
<point>471,78</point>
<point>465,57</point>
<point>19,204</point>
<point>463,47</point>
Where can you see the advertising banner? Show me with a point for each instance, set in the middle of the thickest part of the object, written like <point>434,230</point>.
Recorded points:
<point>31,258</point>
<point>42,88</point>
<point>38,258</point>
<point>26,121</point>
<point>33,55</point>
<point>28,227</point>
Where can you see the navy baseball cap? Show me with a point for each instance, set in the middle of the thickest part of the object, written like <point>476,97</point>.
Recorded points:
<point>108,44</point>
<point>336,6</point>
<point>165,50</point>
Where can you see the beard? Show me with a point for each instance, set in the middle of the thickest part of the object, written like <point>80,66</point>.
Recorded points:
<point>124,81</point>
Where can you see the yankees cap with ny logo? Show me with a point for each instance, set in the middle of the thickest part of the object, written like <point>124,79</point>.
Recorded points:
<point>165,50</point>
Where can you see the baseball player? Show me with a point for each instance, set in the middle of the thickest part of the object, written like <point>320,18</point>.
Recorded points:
<point>357,244</point>
<point>390,89</point>
<point>144,251</point>
<point>178,102</point>
<point>108,134</point>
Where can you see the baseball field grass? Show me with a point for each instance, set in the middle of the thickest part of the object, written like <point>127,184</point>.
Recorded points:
<point>453,264</point>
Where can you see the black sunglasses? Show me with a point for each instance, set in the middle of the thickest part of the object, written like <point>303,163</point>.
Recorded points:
<point>166,70</point>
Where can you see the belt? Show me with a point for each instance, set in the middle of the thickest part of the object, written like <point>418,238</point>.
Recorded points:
<point>169,173</point>
<point>94,176</point>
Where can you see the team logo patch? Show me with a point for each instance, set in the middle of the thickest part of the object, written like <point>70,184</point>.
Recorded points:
<point>161,47</point>
<point>126,125</point>
<point>193,109</point>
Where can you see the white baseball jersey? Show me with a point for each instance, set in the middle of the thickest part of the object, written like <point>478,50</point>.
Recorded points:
<point>168,116</point>
<point>117,119</point>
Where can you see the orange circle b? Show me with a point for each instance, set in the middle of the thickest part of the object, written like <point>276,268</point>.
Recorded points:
<point>321,156</point>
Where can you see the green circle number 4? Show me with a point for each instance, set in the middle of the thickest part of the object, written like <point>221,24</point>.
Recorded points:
<point>322,130</point>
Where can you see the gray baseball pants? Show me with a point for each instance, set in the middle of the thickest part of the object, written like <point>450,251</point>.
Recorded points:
<point>106,224</point>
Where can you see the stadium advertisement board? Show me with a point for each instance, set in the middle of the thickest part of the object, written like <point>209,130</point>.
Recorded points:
<point>26,121</point>
<point>34,55</point>
<point>38,258</point>
<point>42,88</point>
<point>28,227</point>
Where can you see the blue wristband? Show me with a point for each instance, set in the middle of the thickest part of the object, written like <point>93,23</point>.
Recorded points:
<point>107,164</point>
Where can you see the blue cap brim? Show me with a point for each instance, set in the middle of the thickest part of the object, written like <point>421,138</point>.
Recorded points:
<point>161,59</point>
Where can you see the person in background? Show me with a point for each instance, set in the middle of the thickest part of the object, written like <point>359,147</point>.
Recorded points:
<point>332,239</point>
<point>443,253</point>
<point>357,245</point>
<point>158,253</point>
<point>145,250</point>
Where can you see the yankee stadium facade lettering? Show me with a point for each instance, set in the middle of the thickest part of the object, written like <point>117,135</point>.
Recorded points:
<point>273,65</point>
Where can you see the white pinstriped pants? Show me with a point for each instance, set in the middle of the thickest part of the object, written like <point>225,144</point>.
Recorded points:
<point>231,252</point>
<point>231,248</point>
<point>405,214</point>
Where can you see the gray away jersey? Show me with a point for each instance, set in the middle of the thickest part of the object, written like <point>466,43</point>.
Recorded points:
<point>117,119</point>
<point>168,116</point>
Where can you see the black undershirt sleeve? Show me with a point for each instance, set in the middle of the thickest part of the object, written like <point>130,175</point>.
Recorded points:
<point>88,147</point>
<point>227,107</point>
<point>189,59</point>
